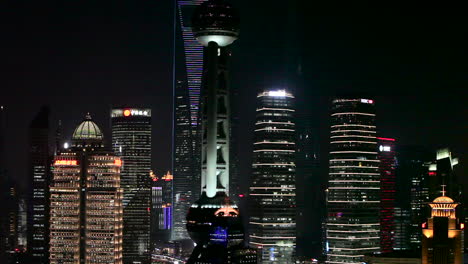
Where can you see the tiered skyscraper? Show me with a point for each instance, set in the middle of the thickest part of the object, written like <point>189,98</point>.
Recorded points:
<point>187,144</point>
<point>272,224</point>
<point>131,141</point>
<point>39,170</point>
<point>213,221</point>
<point>86,201</point>
<point>387,193</point>
<point>353,226</point>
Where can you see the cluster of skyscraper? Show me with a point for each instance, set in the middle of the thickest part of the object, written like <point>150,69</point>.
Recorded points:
<point>96,203</point>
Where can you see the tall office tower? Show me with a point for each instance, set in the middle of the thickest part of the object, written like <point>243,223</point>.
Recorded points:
<point>131,141</point>
<point>161,209</point>
<point>412,192</point>
<point>186,165</point>
<point>442,233</point>
<point>187,91</point>
<point>353,225</point>
<point>213,221</point>
<point>22,224</point>
<point>387,167</point>
<point>272,220</point>
<point>401,237</point>
<point>86,223</point>
<point>39,171</point>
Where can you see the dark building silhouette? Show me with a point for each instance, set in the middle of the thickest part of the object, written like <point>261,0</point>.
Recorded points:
<point>3,189</point>
<point>412,195</point>
<point>39,173</point>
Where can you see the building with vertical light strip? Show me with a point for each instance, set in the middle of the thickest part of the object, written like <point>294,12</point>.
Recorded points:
<point>187,138</point>
<point>387,193</point>
<point>86,223</point>
<point>131,141</point>
<point>353,224</point>
<point>272,196</point>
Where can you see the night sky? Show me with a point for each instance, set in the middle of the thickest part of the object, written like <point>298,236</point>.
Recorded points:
<point>79,56</point>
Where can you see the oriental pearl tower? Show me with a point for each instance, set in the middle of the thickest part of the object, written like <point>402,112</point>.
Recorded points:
<point>213,221</point>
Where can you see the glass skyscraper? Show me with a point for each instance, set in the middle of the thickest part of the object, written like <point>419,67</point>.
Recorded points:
<point>353,226</point>
<point>131,141</point>
<point>272,220</point>
<point>187,138</point>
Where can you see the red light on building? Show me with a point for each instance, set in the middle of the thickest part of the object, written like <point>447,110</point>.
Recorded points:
<point>66,162</point>
<point>432,173</point>
<point>424,225</point>
<point>241,195</point>
<point>386,139</point>
<point>118,162</point>
<point>127,112</point>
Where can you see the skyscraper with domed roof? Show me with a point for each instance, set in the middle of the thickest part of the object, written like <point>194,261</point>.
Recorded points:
<point>442,233</point>
<point>86,201</point>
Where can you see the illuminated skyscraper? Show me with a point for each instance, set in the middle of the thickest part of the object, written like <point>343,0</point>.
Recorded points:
<point>131,141</point>
<point>187,143</point>
<point>442,233</point>
<point>86,201</point>
<point>387,193</point>
<point>39,171</point>
<point>272,224</point>
<point>353,203</point>
<point>186,164</point>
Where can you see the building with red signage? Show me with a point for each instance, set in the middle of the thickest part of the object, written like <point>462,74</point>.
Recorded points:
<point>86,223</point>
<point>131,141</point>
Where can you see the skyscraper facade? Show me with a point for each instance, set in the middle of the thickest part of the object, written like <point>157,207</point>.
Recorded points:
<point>353,224</point>
<point>187,148</point>
<point>442,233</point>
<point>272,195</point>
<point>387,167</point>
<point>39,171</point>
<point>186,164</point>
<point>161,208</point>
<point>131,141</point>
<point>86,223</point>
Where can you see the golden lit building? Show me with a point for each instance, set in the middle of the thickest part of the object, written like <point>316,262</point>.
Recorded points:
<point>86,201</point>
<point>442,234</point>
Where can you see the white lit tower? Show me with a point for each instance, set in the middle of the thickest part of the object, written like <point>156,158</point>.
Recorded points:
<point>353,203</point>
<point>213,221</point>
<point>272,223</point>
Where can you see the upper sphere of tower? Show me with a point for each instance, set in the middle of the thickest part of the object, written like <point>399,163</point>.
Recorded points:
<point>216,20</point>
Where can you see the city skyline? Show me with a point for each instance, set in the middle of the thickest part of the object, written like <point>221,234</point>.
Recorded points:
<point>91,62</point>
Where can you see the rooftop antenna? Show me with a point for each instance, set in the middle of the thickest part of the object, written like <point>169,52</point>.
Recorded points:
<point>443,189</point>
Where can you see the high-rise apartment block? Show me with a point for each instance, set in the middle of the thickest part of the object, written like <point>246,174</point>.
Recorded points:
<point>353,224</point>
<point>86,223</point>
<point>131,141</point>
<point>272,195</point>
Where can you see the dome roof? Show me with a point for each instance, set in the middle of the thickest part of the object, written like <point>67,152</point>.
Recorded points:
<point>443,199</point>
<point>87,130</point>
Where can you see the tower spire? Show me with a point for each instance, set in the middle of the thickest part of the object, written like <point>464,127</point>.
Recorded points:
<point>443,189</point>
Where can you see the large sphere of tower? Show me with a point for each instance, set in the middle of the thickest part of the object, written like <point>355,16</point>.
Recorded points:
<point>217,21</point>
